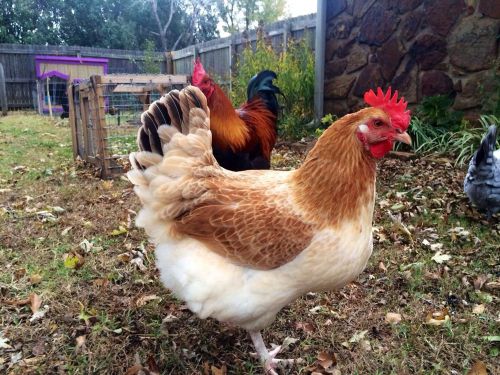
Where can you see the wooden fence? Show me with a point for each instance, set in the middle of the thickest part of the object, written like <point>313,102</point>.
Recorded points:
<point>19,67</point>
<point>220,56</point>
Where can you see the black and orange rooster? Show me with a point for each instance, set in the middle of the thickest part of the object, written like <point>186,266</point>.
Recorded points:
<point>242,138</point>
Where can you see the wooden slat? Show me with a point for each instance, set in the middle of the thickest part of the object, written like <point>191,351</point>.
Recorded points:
<point>72,121</point>
<point>144,78</point>
<point>100,122</point>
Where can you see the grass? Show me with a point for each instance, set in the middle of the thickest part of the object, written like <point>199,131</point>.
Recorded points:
<point>107,314</point>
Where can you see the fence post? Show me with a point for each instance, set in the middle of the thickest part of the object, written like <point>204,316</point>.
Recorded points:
<point>102,131</point>
<point>169,63</point>
<point>287,28</point>
<point>72,119</point>
<point>3,92</point>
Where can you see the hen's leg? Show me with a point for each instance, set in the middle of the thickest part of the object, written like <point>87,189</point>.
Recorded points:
<point>267,357</point>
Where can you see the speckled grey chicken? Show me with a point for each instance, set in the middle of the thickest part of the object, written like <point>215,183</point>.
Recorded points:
<point>482,183</point>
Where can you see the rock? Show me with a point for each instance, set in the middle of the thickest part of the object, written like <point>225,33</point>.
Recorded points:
<point>358,57</point>
<point>345,49</point>
<point>443,14</point>
<point>336,47</point>
<point>473,89</point>
<point>359,8</point>
<point>407,5</point>
<point>377,25</point>
<point>336,107</point>
<point>389,4</point>
<point>406,82</point>
<point>490,8</point>
<point>340,28</point>
<point>411,24</point>
<point>473,44</point>
<point>334,8</point>
<point>335,68</point>
<point>370,78</point>
<point>428,50</point>
<point>339,87</point>
<point>389,57</point>
<point>435,82</point>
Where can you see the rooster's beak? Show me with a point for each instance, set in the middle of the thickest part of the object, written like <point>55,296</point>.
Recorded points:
<point>403,137</point>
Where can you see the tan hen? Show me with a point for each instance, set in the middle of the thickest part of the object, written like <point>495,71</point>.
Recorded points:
<point>239,246</point>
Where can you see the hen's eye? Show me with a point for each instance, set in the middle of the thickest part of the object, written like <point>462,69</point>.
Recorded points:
<point>378,123</point>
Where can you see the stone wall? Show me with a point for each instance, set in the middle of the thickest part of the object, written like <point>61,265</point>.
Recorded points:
<point>420,47</point>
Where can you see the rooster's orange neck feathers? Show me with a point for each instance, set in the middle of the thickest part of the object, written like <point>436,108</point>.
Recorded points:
<point>228,128</point>
<point>337,178</point>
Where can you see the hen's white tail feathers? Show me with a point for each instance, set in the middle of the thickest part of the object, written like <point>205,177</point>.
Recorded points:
<point>163,179</point>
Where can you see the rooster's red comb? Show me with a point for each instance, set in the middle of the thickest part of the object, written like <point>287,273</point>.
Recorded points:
<point>400,117</point>
<point>198,72</point>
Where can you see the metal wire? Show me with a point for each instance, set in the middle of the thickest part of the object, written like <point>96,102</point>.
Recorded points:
<point>122,110</point>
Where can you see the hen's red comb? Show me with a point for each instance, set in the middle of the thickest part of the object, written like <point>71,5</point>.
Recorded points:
<point>400,117</point>
<point>198,72</point>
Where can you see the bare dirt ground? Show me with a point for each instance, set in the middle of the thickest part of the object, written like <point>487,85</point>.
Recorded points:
<point>79,292</point>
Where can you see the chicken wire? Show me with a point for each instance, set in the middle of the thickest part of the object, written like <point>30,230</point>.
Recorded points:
<point>107,116</point>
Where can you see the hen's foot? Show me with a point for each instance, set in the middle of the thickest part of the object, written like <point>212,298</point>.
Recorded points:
<point>268,358</point>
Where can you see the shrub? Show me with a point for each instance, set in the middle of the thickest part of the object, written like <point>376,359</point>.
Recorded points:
<point>295,70</point>
<point>151,61</point>
<point>460,142</point>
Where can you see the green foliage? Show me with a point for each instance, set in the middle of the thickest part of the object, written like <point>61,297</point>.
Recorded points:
<point>460,142</point>
<point>151,61</point>
<point>491,100</point>
<point>295,70</point>
<point>122,24</point>
<point>239,15</point>
<point>436,111</point>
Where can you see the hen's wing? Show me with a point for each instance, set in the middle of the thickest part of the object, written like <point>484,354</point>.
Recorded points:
<point>246,224</point>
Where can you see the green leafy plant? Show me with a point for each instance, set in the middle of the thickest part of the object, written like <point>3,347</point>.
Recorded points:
<point>295,70</point>
<point>436,111</point>
<point>151,61</point>
<point>461,142</point>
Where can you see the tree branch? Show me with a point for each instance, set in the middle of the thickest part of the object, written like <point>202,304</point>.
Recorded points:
<point>169,17</point>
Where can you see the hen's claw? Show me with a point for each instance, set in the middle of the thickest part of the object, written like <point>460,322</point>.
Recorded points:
<point>268,358</point>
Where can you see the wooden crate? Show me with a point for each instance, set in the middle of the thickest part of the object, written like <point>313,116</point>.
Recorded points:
<point>89,114</point>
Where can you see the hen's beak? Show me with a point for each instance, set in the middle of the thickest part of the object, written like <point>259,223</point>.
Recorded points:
<point>403,137</point>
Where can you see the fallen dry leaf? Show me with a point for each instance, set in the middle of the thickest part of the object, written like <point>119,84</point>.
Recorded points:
<point>35,302</point>
<point>124,257</point>
<point>358,336</point>
<point>438,318</point>
<point>440,257</point>
<point>3,342</point>
<point>326,359</point>
<point>35,279</point>
<point>121,230</point>
<point>382,267</point>
<point>80,343</point>
<point>141,301</point>
<point>218,371</point>
<point>478,309</point>
<point>73,260</point>
<point>19,273</point>
<point>392,318</point>
<point>305,326</point>
<point>365,345</point>
<point>478,368</point>
<point>479,281</point>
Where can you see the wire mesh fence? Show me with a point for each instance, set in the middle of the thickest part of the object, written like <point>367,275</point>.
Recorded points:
<point>105,115</point>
